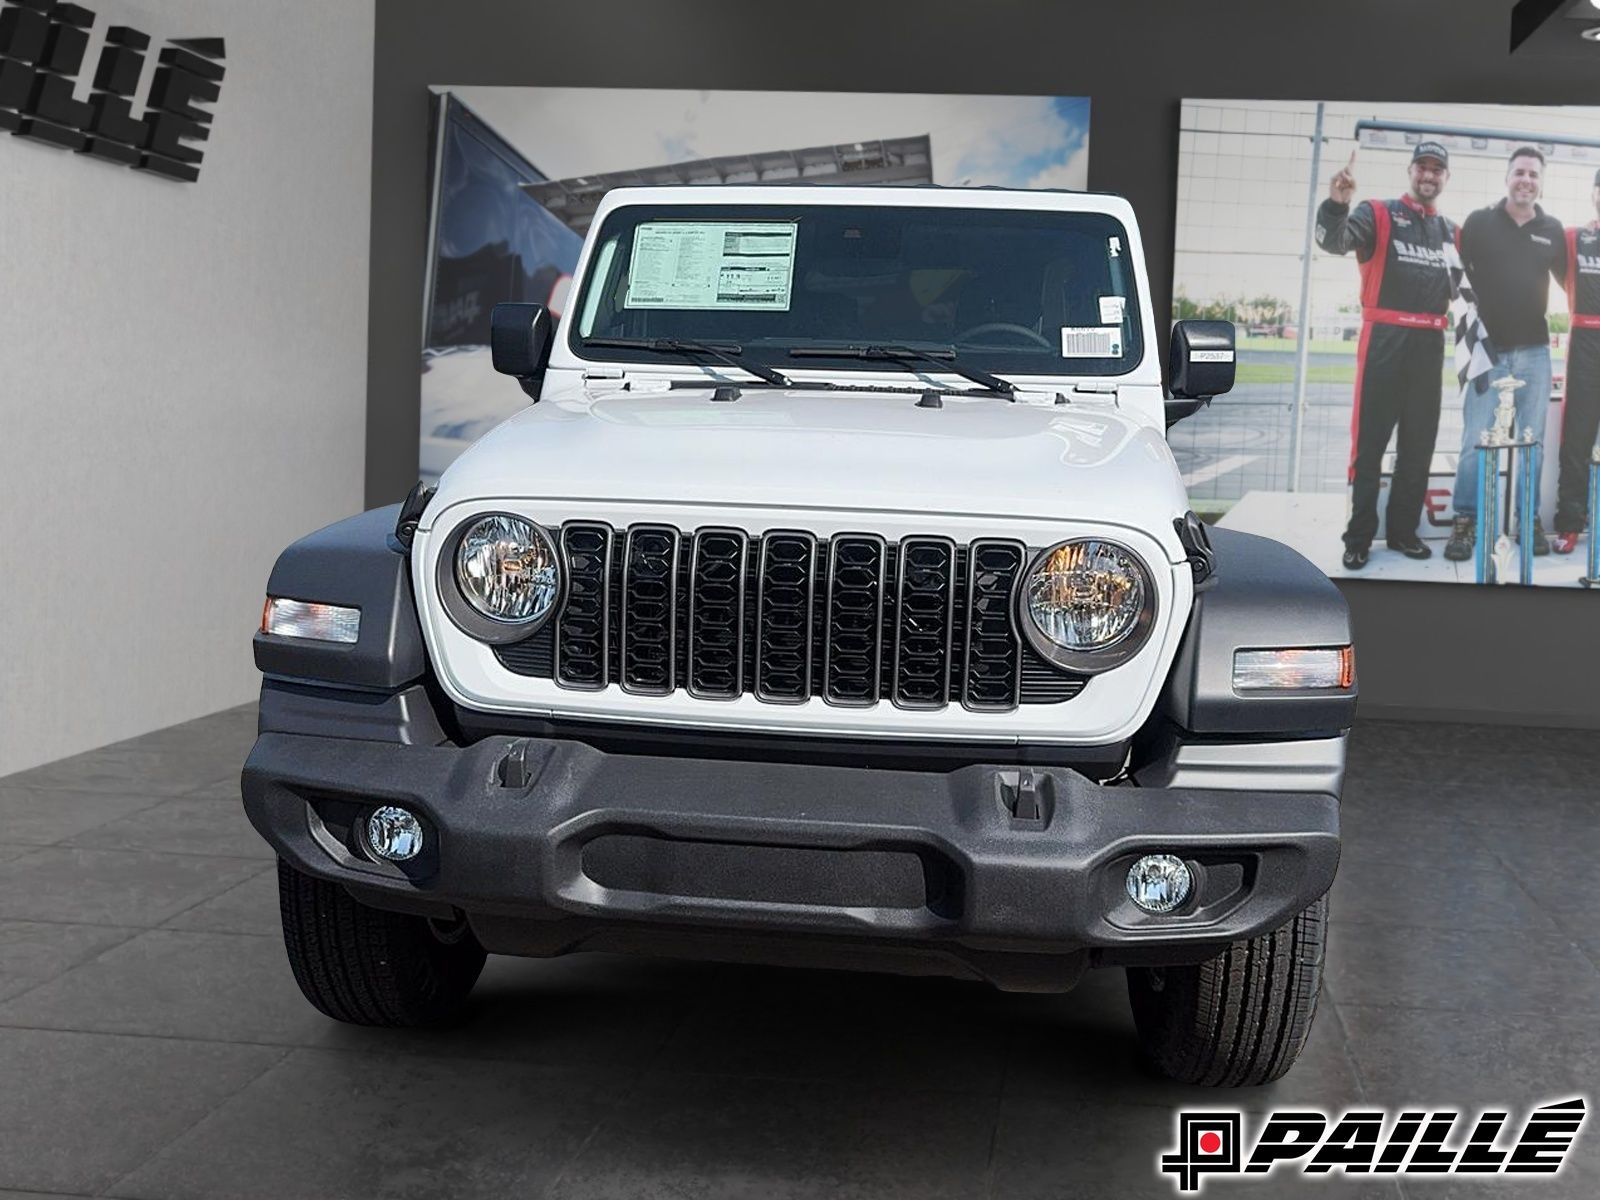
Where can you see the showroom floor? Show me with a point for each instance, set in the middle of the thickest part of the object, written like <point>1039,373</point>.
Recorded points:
<point>153,1044</point>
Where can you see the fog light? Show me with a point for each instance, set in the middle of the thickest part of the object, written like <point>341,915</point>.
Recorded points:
<point>1159,883</point>
<point>394,834</point>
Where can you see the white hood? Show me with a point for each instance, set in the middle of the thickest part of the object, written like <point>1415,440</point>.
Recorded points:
<point>798,448</point>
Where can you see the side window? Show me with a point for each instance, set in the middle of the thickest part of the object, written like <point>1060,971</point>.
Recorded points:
<point>601,282</point>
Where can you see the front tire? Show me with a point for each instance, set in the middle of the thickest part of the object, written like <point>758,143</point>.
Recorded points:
<point>1240,1019</point>
<point>368,966</point>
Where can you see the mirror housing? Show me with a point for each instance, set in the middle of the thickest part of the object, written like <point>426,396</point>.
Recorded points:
<point>520,338</point>
<point>1200,365</point>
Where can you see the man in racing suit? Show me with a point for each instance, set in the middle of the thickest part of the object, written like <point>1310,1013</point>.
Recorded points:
<point>1581,417</point>
<point>1405,294</point>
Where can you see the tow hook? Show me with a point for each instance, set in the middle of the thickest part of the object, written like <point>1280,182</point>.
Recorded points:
<point>1026,795</point>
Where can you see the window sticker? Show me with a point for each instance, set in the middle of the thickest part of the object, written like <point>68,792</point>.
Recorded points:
<point>1111,308</point>
<point>1091,341</point>
<point>712,264</point>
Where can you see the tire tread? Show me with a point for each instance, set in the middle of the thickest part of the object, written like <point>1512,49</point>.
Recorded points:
<point>367,966</point>
<point>1242,1018</point>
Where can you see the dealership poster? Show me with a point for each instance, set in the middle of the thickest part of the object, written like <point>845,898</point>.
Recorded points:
<point>518,173</point>
<point>1416,292</point>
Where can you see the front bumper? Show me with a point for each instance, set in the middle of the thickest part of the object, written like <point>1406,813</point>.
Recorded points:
<point>941,861</point>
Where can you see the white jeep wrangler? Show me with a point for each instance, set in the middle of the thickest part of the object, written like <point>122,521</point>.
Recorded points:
<point>837,601</point>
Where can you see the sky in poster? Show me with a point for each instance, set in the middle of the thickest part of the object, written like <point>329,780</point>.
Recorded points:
<point>1005,141</point>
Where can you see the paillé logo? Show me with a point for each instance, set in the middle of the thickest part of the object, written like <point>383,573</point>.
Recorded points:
<point>1211,1143</point>
<point>42,48</point>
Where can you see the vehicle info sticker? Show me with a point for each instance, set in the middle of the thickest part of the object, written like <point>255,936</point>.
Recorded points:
<point>1091,341</point>
<point>1111,308</point>
<point>712,264</point>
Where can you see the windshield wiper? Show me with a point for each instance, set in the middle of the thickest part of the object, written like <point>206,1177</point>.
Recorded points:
<point>942,357</point>
<point>723,352</point>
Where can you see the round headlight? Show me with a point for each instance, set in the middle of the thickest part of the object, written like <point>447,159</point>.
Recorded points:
<point>1087,604</point>
<point>506,569</point>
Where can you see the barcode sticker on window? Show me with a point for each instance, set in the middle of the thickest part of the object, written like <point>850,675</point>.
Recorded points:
<point>1087,341</point>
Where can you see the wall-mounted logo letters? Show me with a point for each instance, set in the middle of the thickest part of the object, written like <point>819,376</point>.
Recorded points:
<point>43,44</point>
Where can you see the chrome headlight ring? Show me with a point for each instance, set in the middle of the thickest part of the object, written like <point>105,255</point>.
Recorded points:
<point>497,560</point>
<point>1086,604</point>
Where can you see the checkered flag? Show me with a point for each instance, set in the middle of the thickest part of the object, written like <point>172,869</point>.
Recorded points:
<point>1475,353</point>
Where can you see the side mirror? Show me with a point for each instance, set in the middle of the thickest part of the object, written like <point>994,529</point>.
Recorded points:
<point>1200,365</point>
<point>520,337</point>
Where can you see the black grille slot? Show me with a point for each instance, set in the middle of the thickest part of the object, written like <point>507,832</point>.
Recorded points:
<point>854,620</point>
<point>925,604</point>
<point>853,630</point>
<point>991,672</point>
<point>649,609</point>
<point>583,629</point>
<point>1043,683</point>
<point>716,614</point>
<point>532,656</point>
<point>784,608</point>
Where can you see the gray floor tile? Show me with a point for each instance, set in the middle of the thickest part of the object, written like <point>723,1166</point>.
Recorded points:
<point>1473,754</point>
<point>1063,1150</point>
<point>1451,970</point>
<point>715,1137</point>
<point>9,851</point>
<point>42,816</point>
<point>1584,934</point>
<point>225,987</point>
<point>131,768</point>
<point>1530,816</point>
<point>332,1124</point>
<point>1580,1180</point>
<point>32,952</point>
<point>1488,897</point>
<point>181,826</point>
<point>112,887</point>
<point>79,1110</point>
<point>223,791</point>
<point>1411,842</point>
<point>232,729</point>
<point>1560,880</point>
<point>1083,1047</point>
<point>873,1030</point>
<point>1477,1060</point>
<point>607,1013</point>
<point>249,907</point>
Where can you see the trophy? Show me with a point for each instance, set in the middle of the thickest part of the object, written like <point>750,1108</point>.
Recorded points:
<point>1495,550</point>
<point>1505,412</point>
<point>1592,579</point>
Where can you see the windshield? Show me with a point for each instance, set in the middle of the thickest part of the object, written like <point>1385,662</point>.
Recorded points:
<point>1020,292</point>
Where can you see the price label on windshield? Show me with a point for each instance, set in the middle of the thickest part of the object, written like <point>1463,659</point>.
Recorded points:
<point>712,265</point>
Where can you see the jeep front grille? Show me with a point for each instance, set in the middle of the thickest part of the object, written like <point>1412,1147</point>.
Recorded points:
<point>787,616</point>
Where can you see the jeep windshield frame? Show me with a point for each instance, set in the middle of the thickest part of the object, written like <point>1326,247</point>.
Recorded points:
<point>1011,291</point>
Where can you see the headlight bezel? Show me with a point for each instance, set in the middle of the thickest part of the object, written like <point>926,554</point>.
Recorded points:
<point>1088,662</point>
<point>466,616</point>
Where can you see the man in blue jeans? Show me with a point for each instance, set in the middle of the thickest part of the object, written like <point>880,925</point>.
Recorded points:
<point>1511,250</point>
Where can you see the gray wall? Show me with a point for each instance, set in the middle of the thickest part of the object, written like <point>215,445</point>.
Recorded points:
<point>1423,650</point>
<point>182,380</point>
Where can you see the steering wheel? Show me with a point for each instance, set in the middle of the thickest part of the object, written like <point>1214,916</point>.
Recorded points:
<point>1005,327</point>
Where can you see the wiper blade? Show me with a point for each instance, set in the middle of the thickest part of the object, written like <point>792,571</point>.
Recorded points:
<point>723,352</point>
<point>942,357</point>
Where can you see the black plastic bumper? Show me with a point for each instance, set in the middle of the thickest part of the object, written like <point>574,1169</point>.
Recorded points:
<point>924,858</point>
